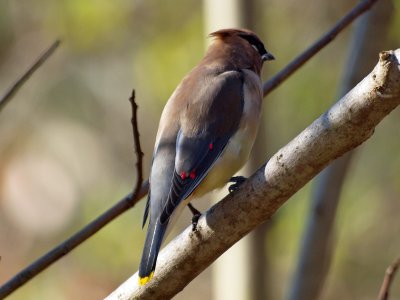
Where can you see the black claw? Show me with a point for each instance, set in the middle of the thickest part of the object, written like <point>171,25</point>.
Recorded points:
<point>196,215</point>
<point>195,220</point>
<point>237,181</point>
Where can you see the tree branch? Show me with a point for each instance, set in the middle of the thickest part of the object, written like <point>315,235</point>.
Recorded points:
<point>138,151</point>
<point>123,205</point>
<point>317,245</point>
<point>28,73</point>
<point>343,127</point>
<point>388,279</point>
<point>328,37</point>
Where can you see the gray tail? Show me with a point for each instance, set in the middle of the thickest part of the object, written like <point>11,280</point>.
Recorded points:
<point>152,245</point>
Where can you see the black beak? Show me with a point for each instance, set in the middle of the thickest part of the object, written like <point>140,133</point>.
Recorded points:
<point>267,56</point>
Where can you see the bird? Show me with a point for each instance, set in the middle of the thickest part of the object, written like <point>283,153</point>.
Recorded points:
<point>205,134</point>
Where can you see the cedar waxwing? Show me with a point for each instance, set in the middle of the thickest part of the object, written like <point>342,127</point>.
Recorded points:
<point>206,132</point>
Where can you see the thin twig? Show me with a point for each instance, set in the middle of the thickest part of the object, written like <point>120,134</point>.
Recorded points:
<point>68,245</point>
<point>28,73</point>
<point>388,279</point>
<point>295,64</point>
<point>121,206</point>
<point>138,148</point>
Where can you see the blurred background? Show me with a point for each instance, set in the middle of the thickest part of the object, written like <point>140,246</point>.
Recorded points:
<point>66,149</point>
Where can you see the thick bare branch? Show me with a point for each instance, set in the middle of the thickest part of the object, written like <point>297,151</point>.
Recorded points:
<point>343,127</point>
<point>28,73</point>
<point>317,246</point>
<point>125,203</point>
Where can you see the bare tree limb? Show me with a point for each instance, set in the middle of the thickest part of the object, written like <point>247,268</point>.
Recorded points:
<point>295,64</point>
<point>28,73</point>
<point>388,279</point>
<point>317,244</point>
<point>123,205</point>
<point>347,124</point>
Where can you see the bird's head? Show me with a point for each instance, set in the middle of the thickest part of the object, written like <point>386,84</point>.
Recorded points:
<point>242,46</point>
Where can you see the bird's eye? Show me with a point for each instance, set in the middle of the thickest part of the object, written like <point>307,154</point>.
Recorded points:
<point>255,43</point>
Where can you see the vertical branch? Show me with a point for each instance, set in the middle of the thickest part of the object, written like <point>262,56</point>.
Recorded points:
<point>227,282</point>
<point>138,148</point>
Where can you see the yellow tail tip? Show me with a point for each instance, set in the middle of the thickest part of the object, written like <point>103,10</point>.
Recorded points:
<point>144,280</point>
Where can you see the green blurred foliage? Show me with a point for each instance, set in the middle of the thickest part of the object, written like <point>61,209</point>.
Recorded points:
<point>75,113</point>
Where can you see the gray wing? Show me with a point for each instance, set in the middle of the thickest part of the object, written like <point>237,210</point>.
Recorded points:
<point>186,152</point>
<point>207,125</point>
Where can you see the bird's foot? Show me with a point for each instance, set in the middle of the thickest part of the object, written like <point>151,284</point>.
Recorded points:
<point>237,181</point>
<point>196,215</point>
